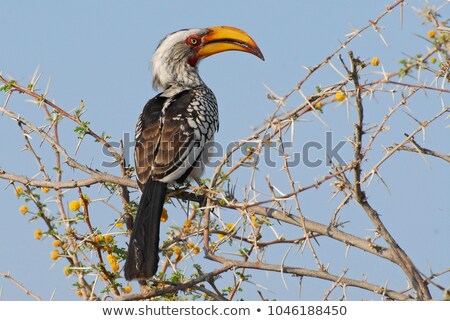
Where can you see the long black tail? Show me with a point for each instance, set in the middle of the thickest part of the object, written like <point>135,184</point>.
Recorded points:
<point>142,258</point>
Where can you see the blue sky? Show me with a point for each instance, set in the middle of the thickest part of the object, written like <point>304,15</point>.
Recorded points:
<point>100,51</point>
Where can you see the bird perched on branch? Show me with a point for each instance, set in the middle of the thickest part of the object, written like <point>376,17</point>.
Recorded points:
<point>173,129</point>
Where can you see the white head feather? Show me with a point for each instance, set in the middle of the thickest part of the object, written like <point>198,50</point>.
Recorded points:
<point>170,61</point>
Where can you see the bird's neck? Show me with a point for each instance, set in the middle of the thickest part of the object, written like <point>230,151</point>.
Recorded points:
<point>174,89</point>
<point>181,75</point>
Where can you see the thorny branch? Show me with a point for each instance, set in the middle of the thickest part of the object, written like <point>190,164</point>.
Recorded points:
<point>21,286</point>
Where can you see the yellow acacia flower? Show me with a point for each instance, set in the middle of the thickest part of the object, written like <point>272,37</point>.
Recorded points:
<point>187,226</point>
<point>431,34</point>
<point>108,238</point>
<point>97,238</point>
<point>178,252</point>
<point>67,270</point>
<point>19,190</point>
<point>54,255</point>
<point>256,221</point>
<point>112,259</point>
<point>115,267</point>
<point>74,205</point>
<point>127,289</point>
<point>433,60</point>
<point>57,243</point>
<point>196,250</point>
<point>45,190</point>
<point>38,234</point>
<point>164,215</point>
<point>23,209</point>
<point>190,245</point>
<point>340,96</point>
<point>176,249</point>
<point>119,225</point>
<point>375,61</point>
<point>79,293</point>
<point>229,227</point>
<point>318,105</point>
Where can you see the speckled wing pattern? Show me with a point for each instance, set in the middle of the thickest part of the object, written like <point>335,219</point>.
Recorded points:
<point>171,134</point>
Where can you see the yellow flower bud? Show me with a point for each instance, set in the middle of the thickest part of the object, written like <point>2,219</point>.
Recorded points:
<point>196,250</point>
<point>177,250</point>
<point>38,234</point>
<point>74,205</point>
<point>115,267</point>
<point>375,61</point>
<point>57,243</point>
<point>108,238</point>
<point>255,221</point>
<point>54,255</point>
<point>164,215</point>
<point>433,60</point>
<point>23,209</point>
<point>19,190</point>
<point>187,226</point>
<point>229,227</point>
<point>340,96</point>
<point>431,34</point>
<point>45,190</point>
<point>127,289</point>
<point>112,259</point>
<point>67,270</point>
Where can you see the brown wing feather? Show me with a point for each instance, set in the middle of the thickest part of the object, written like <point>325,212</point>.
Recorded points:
<point>163,137</point>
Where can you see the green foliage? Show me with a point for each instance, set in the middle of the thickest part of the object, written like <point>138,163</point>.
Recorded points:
<point>82,130</point>
<point>7,87</point>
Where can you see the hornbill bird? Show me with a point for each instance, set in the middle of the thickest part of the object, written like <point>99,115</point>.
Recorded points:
<point>173,129</point>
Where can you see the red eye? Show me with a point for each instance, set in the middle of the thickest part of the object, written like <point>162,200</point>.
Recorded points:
<point>193,40</point>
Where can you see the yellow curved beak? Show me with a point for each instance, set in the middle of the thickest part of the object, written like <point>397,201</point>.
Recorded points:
<point>224,38</point>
